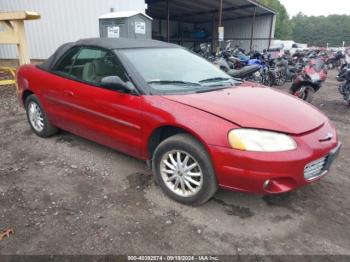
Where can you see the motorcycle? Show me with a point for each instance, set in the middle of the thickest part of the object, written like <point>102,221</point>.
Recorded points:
<point>280,71</point>
<point>344,78</point>
<point>336,60</point>
<point>251,72</point>
<point>283,70</point>
<point>309,80</point>
<point>262,60</point>
<point>205,51</point>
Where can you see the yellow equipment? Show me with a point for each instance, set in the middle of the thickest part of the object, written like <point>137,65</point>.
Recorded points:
<point>13,32</point>
<point>7,76</point>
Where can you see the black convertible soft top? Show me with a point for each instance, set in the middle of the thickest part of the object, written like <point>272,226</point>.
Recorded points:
<point>106,43</point>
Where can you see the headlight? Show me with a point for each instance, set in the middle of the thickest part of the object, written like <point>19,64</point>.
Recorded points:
<point>261,141</point>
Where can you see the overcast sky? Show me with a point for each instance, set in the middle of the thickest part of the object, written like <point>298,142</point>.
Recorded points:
<point>317,7</point>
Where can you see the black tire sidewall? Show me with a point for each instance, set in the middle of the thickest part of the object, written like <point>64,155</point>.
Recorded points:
<point>310,91</point>
<point>197,151</point>
<point>45,131</point>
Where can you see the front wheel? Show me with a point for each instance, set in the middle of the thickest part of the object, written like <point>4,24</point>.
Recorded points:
<point>183,169</point>
<point>304,92</point>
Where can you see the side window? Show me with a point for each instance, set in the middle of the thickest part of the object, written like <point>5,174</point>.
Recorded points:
<point>65,64</point>
<point>84,64</point>
<point>114,67</point>
<point>93,64</point>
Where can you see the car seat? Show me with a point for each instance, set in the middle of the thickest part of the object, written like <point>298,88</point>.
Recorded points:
<point>99,68</point>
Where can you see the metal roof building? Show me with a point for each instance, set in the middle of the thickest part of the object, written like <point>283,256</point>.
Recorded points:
<point>246,22</point>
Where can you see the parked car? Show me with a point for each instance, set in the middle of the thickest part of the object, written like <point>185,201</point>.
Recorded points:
<point>199,128</point>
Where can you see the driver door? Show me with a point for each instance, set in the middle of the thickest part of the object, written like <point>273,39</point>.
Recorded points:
<point>106,116</point>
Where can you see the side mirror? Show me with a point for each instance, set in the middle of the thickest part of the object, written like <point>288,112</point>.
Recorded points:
<point>115,83</point>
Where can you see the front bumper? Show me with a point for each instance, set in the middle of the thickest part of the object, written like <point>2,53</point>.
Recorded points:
<point>270,173</point>
<point>321,167</point>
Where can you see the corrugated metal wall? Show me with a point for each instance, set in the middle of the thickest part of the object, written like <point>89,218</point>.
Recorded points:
<point>62,21</point>
<point>240,30</point>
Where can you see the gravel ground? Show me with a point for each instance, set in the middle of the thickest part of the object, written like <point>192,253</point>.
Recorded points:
<point>67,195</point>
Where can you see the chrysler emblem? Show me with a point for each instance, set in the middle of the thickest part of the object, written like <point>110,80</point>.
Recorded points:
<point>328,137</point>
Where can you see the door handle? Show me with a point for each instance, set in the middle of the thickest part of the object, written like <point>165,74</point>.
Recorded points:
<point>68,93</point>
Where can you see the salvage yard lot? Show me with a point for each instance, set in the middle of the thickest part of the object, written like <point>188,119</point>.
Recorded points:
<point>67,195</point>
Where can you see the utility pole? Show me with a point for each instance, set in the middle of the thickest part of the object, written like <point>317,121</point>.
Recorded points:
<point>168,21</point>
<point>252,30</point>
<point>220,14</point>
<point>221,28</point>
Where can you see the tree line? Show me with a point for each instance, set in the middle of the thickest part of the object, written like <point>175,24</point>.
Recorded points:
<point>313,30</point>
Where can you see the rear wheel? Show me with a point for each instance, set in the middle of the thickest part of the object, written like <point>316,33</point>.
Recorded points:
<point>184,171</point>
<point>37,118</point>
<point>269,79</point>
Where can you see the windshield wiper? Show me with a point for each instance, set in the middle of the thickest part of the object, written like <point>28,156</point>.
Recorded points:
<point>214,79</point>
<point>173,82</point>
<point>210,89</point>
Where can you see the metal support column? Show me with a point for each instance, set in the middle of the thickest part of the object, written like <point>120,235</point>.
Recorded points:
<point>252,30</point>
<point>168,20</point>
<point>220,14</point>
<point>271,28</point>
<point>213,39</point>
<point>220,25</point>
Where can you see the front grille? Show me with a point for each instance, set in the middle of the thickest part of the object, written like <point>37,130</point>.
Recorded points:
<point>315,169</point>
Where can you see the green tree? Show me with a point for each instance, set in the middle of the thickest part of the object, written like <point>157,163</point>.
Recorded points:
<point>320,30</point>
<point>284,29</point>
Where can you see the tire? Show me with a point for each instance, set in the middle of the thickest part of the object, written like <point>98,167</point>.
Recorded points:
<point>307,95</point>
<point>269,79</point>
<point>41,126</point>
<point>257,79</point>
<point>337,64</point>
<point>206,184</point>
<point>282,78</point>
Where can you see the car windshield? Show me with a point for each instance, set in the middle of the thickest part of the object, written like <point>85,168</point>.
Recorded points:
<point>174,70</point>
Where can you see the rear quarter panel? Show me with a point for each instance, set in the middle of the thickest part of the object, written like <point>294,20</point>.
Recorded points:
<point>38,81</point>
<point>28,77</point>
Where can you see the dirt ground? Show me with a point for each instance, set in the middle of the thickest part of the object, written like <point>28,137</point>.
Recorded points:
<point>67,195</point>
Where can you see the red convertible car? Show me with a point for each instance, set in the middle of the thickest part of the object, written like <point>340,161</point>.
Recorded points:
<point>196,126</point>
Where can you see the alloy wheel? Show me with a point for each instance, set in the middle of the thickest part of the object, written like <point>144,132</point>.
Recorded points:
<point>181,173</point>
<point>36,116</point>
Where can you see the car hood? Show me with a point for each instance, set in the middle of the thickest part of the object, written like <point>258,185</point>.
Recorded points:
<point>257,107</point>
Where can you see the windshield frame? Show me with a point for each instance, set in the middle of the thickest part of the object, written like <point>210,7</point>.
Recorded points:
<point>146,88</point>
